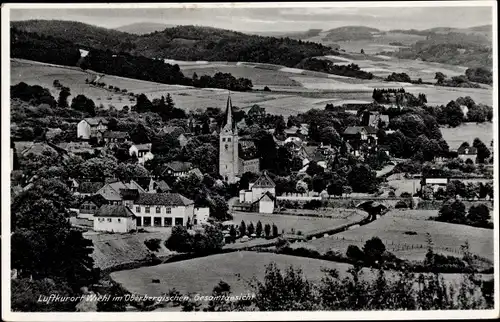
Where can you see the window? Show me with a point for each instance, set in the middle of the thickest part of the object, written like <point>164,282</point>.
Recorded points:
<point>119,220</point>
<point>148,210</point>
<point>147,221</point>
<point>169,210</point>
<point>168,222</point>
<point>138,221</point>
<point>157,221</point>
<point>158,210</point>
<point>228,139</point>
<point>109,219</point>
<point>226,146</point>
<point>179,221</point>
<point>138,209</point>
<point>223,139</point>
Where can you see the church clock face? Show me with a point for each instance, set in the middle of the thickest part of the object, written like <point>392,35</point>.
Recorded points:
<point>226,146</point>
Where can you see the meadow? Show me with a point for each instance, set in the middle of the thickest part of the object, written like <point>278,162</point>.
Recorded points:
<point>200,275</point>
<point>304,224</point>
<point>467,132</point>
<point>397,229</point>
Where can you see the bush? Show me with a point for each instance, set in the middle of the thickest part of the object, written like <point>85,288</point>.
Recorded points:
<point>401,205</point>
<point>373,249</point>
<point>354,253</point>
<point>180,240</point>
<point>313,204</point>
<point>153,244</point>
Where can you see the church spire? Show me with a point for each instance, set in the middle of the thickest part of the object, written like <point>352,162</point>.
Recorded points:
<point>229,114</point>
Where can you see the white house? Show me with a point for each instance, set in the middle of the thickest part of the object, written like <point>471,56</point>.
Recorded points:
<point>267,203</point>
<point>114,218</point>
<point>91,127</point>
<point>177,169</point>
<point>163,210</point>
<point>142,151</point>
<point>261,193</point>
<point>467,152</point>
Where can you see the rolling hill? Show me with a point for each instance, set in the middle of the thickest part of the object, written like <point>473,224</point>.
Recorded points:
<point>143,28</point>
<point>181,43</point>
<point>349,33</point>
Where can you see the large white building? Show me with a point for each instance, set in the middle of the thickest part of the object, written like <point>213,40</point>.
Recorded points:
<point>114,218</point>
<point>142,152</point>
<point>91,127</point>
<point>163,210</point>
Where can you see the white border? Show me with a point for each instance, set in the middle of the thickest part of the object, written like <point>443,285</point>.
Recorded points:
<point>228,316</point>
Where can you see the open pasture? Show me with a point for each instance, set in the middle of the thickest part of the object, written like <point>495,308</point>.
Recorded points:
<point>237,269</point>
<point>301,223</point>
<point>467,132</point>
<point>393,229</point>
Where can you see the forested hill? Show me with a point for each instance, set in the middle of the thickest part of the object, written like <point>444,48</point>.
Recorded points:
<point>182,42</point>
<point>84,35</point>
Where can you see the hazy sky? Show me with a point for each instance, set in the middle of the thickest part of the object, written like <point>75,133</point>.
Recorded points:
<point>274,19</point>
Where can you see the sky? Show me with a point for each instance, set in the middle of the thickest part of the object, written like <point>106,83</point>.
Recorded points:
<point>277,19</point>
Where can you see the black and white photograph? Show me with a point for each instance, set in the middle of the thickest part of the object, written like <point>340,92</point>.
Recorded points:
<point>246,161</point>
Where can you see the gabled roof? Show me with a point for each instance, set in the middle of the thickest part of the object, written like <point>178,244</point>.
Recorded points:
<point>371,130</point>
<point>163,199</point>
<point>143,147</point>
<point>114,211</point>
<point>352,130</point>
<point>264,181</point>
<point>178,166</point>
<point>175,131</point>
<point>162,186</point>
<point>90,187</point>
<point>115,135</point>
<point>266,195</point>
<point>143,182</point>
<point>94,121</point>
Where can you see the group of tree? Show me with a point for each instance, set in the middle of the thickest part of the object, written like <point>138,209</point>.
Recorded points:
<point>243,229</point>
<point>209,241</point>
<point>454,211</point>
<point>454,81</point>
<point>327,66</point>
<point>403,78</point>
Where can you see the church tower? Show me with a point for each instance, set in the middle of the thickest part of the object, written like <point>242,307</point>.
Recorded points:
<point>228,147</point>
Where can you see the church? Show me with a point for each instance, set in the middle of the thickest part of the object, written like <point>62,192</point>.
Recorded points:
<point>236,155</point>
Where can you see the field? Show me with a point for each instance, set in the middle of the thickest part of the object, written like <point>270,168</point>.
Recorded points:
<point>292,90</point>
<point>305,224</point>
<point>115,249</point>
<point>393,227</point>
<point>200,275</point>
<point>467,132</point>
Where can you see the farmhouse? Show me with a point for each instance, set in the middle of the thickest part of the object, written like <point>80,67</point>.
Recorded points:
<point>260,195</point>
<point>466,152</point>
<point>176,169</point>
<point>111,191</point>
<point>360,137</point>
<point>163,210</point>
<point>91,128</point>
<point>142,152</point>
<point>114,218</point>
<point>374,118</point>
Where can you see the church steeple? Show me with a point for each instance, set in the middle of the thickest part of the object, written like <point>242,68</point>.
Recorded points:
<point>229,126</point>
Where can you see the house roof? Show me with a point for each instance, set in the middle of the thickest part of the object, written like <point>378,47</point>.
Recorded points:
<point>129,194</point>
<point>197,172</point>
<point>90,187</point>
<point>143,182</point>
<point>162,186</point>
<point>28,147</point>
<point>351,130</point>
<point>178,166</point>
<point>115,135</point>
<point>94,121</point>
<point>371,130</point>
<point>120,211</point>
<point>143,147</point>
<point>163,199</point>
<point>173,130</point>
<point>267,195</point>
<point>467,150</point>
<point>264,181</point>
